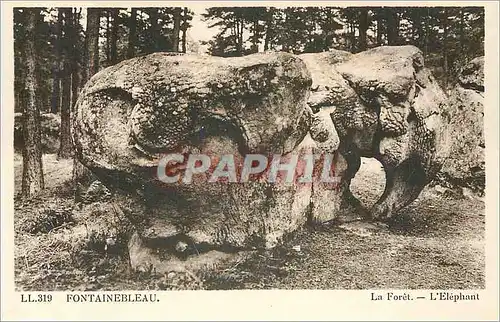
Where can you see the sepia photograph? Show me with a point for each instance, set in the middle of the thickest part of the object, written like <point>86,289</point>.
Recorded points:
<point>249,148</point>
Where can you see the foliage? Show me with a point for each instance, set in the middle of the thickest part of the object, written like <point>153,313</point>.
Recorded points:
<point>448,36</point>
<point>245,30</point>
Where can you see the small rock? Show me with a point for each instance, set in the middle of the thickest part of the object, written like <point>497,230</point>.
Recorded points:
<point>136,91</point>
<point>181,246</point>
<point>440,188</point>
<point>111,241</point>
<point>468,193</point>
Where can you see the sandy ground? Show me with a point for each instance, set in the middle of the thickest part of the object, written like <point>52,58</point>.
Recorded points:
<point>437,242</point>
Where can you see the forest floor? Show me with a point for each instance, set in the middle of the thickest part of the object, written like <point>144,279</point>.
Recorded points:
<point>436,243</point>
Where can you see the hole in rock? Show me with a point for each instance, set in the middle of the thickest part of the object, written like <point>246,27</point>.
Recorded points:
<point>369,182</point>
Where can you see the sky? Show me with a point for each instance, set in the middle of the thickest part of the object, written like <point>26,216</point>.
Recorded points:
<point>199,30</point>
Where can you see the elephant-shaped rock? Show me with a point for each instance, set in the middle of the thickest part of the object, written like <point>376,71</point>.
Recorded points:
<point>336,106</point>
<point>384,104</point>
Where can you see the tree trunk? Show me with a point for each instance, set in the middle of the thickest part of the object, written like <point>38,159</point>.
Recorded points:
<point>177,28</point>
<point>461,33</point>
<point>81,174</point>
<point>353,37</point>
<point>92,43</point>
<point>256,36</point>
<point>66,148</point>
<point>108,36</point>
<point>285,44</point>
<point>240,41</point>
<point>132,36</point>
<point>426,34</point>
<point>32,181</point>
<point>363,27</point>
<point>154,32</point>
<point>75,76</point>
<point>392,26</point>
<point>445,45</point>
<point>77,79</point>
<point>269,23</point>
<point>416,28</point>
<point>184,29</point>
<point>41,95</point>
<point>56,89</point>
<point>113,53</point>
<point>380,21</point>
<point>239,36</point>
<point>419,24</point>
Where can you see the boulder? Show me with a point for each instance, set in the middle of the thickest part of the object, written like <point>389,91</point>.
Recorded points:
<point>472,75</point>
<point>465,167</point>
<point>129,116</point>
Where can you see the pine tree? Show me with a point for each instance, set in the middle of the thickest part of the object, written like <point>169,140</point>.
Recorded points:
<point>392,26</point>
<point>92,43</point>
<point>56,74</point>
<point>187,16</point>
<point>81,174</point>
<point>132,36</point>
<point>363,28</point>
<point>66,145</point>
<point>177,29</point>
<point>32,181</point>
<point>113,54</point>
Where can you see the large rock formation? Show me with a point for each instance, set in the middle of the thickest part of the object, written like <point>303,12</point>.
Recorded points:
<point>130,115</point>
<point>381,103</point>
<point>384,104</point>
<point>465,166</point>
